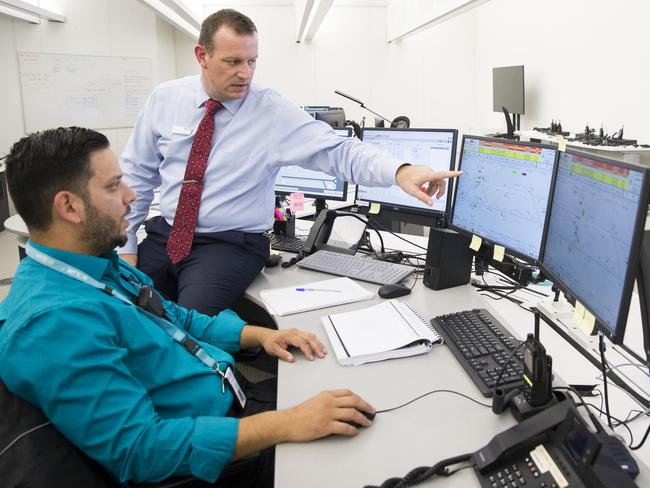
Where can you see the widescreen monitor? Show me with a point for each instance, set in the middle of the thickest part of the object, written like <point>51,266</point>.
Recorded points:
<point>592,242</point>
<point>503,194</point>
<point>508,89</point>
<point>432,147</point>
<point>314,184</point>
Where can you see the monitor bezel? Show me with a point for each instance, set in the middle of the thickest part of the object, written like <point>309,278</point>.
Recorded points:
<point>342,198</point>
<point>617,335</point>
<point>509,251</point>
<point>406,210</point>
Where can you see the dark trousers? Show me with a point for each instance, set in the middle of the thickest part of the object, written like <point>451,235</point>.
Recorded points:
<point>214,275</point>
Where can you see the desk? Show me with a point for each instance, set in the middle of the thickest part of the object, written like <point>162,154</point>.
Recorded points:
<point>429,430</point>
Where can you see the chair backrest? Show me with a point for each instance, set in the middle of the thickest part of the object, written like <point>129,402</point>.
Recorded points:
<point>33,453</point>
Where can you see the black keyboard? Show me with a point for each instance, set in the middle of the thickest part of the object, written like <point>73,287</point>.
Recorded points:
<point>284,243</point>
<point>482,346</point>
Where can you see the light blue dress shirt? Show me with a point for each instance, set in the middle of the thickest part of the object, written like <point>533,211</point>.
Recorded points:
<point>110,379</point>
<point>253,138</point>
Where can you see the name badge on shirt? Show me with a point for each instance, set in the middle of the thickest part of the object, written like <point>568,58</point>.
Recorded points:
<point>181,131</point>
<point>233,384</point>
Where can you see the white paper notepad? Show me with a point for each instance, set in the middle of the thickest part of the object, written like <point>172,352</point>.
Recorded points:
<point>389,330</point>
<point>314,295</point>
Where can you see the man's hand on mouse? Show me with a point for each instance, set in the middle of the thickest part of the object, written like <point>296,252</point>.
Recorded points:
<point>329,412</point>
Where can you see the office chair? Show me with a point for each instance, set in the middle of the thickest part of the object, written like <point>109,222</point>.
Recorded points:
<point>34,453</point>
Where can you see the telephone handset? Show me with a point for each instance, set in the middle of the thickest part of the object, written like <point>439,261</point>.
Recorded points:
<point>320,233</point>
<point>554,447</point>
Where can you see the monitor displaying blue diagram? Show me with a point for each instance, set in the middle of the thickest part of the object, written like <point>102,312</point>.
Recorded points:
<point>503,194</point>
<point>314,184</point>
<point>593,225</point>
<point>431,147</point>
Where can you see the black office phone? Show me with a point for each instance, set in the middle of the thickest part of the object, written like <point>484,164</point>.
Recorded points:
<point>554,448</point>
<point>320,233</point>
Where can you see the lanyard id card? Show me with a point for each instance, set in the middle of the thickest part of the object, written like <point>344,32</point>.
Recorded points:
<point>238,393</point>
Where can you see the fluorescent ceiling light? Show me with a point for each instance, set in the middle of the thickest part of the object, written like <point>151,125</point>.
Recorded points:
<point>172,17</point>
<point>316,18</point>
<point>17,14</point>
<point>32,9</point>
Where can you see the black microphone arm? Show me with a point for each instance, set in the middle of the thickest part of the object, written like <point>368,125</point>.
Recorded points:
<point>355,100</point>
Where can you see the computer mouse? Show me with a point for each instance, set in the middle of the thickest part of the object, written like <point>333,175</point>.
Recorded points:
<point>369,416</point>
<point>393,291</point>
<point>273,261</point>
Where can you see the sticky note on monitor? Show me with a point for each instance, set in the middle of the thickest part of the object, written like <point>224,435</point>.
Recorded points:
<point>561,143</point>
<point>374,208</point>
<point>476,242</point>
<point>297,201</point>
<point>579,313</point>
<point>588,323</point>
<point>499,252</point>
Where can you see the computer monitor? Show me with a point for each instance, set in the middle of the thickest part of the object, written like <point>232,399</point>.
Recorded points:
<point>432,147</point>
<point>314,184</point>
<point>503,194</point>
<point>508,89</point>
<point>335,117</point>
<point>593,238</point>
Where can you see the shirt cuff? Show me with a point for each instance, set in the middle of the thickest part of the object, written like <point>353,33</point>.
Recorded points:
<point>213,445</point>
<point>391,170</point>
<point>227,331</point>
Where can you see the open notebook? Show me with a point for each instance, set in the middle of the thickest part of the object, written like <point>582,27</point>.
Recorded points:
<point>389,330</point>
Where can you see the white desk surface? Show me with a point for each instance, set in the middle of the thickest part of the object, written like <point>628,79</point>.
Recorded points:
<point>431,429</point>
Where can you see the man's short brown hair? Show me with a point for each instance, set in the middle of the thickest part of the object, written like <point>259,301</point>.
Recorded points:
<point>237,21</point>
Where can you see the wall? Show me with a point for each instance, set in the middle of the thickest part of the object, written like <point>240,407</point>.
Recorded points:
<point>586,61</point>
<point>93,27</point>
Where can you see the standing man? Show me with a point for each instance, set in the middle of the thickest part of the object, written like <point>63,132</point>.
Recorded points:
<point>214,143</point>
<point>138,383</point>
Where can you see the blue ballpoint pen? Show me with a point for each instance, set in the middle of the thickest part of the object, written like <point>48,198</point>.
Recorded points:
<point>317,289</point>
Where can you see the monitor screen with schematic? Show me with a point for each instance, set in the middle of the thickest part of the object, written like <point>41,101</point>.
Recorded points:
<point>431,147</point>
<point>503,195</point>
<point>593,238</point>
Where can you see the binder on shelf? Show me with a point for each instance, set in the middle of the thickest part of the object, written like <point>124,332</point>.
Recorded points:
<point>389,330</point>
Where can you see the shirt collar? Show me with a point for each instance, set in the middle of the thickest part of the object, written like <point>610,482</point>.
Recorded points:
<point>94,266</point>
<point>230,105</point>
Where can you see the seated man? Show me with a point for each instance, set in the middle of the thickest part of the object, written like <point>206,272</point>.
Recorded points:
<point>138,383</point>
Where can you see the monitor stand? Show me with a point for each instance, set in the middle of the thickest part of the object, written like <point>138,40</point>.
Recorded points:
<point>320,205</point>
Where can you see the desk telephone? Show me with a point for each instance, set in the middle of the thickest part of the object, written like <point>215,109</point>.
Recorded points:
<point>551,449</point>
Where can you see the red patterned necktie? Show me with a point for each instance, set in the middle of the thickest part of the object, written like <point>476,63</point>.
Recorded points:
<point>179,244</point>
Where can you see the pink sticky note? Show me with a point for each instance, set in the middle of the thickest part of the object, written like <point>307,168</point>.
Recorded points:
<point>297,201</point>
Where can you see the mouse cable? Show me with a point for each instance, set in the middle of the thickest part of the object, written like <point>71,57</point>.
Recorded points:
<point>423,473</point>
<point>431,393</point>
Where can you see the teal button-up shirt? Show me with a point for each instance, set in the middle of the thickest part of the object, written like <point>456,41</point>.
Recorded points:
<point>110,379</point>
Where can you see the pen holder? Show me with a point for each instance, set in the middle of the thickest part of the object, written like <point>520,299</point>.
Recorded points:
<point>285,227</point>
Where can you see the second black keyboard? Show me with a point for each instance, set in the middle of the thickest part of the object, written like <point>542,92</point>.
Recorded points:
<point>284,243</point>
<point>482,346</point>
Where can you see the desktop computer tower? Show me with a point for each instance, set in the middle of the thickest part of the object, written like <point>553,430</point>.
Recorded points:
<point>449,259</point>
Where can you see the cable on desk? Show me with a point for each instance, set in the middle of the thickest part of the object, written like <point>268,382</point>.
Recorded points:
<point>587,405</point>
<point>640,444</point>
<point>423,473</point>
<point>603,365</point>
<point>383,227</point>
<point>431,393</point>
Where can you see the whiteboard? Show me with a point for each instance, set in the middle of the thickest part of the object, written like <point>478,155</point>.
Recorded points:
<point>98,92</point>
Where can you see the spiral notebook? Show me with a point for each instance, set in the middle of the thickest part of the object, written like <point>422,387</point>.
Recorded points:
<point>389,330</point>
